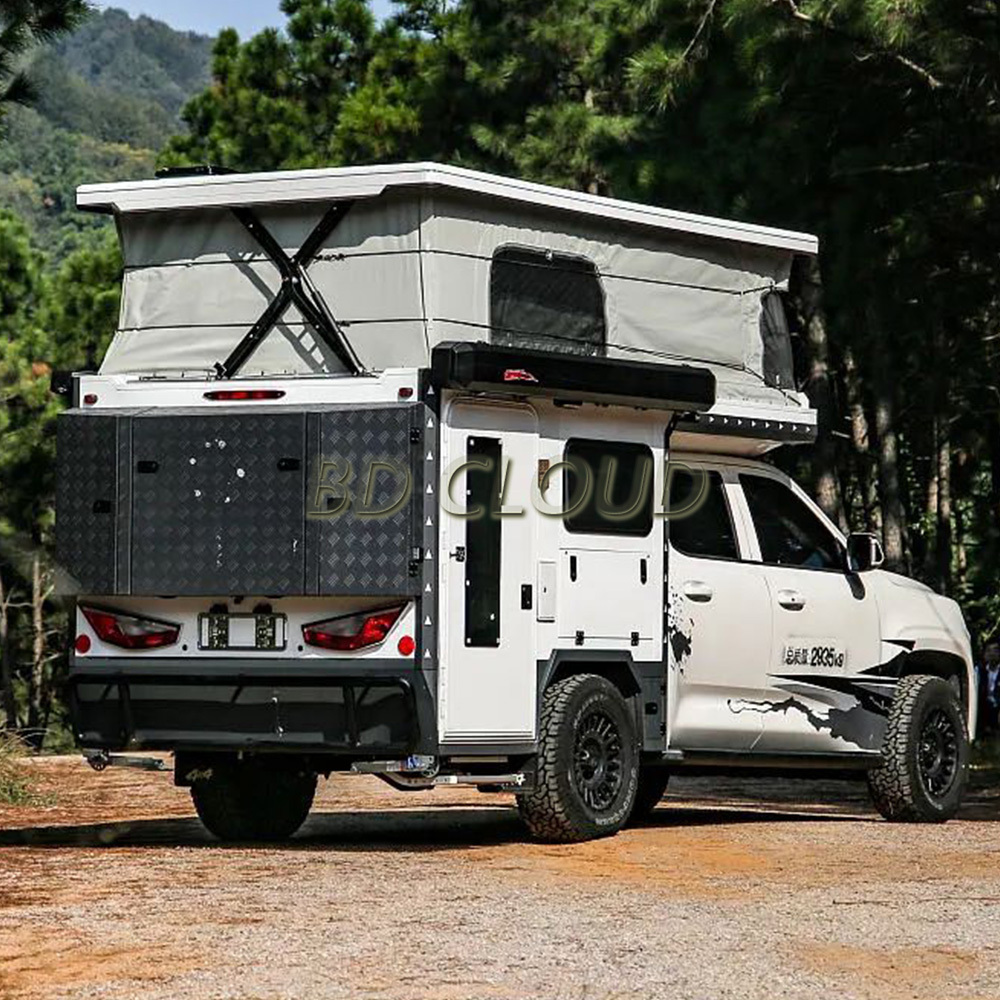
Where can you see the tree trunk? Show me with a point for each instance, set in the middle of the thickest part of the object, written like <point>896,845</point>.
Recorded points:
<point>929,554</point>
<point>36,687</point>
<point>806,290</point>
<point>888,458</point>
<point>943,535</point>
<point>961,553</point>
<point>8,704</point>
<point>861,444</point>
<point>993,442</point>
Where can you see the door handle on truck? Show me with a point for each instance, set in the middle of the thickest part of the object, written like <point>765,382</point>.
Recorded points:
<point>696,590</point>
<point>791,599</point>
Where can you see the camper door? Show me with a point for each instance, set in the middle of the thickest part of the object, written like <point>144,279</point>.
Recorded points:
<point>487,685</point>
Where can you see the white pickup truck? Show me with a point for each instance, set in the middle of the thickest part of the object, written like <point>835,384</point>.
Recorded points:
<point>453,479</point>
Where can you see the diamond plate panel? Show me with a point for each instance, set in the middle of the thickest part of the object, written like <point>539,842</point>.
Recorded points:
<point>360,550</point>
<point>86,498</point>
<point>218,503</point>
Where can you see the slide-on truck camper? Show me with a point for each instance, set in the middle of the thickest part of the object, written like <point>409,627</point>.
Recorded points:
<point>374,477</point>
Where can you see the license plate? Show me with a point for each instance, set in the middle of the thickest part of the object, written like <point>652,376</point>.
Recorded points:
<point>251,632</point>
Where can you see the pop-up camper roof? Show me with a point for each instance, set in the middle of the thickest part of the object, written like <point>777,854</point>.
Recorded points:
<point>397,259</point>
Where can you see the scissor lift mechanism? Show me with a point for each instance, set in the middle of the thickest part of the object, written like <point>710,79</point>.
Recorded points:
<point>297,289</point>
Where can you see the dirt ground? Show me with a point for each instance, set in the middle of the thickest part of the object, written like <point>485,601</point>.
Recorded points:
<point>736,889</point>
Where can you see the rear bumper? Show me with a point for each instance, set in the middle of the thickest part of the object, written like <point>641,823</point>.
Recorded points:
<point>352,707</point>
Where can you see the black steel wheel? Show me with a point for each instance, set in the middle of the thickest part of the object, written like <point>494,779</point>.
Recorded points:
<point>925,754</point>
<point>588,762</point>
<point>938,752</point>
<point>597,760</point>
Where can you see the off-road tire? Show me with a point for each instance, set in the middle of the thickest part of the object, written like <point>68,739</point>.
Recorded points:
<point>651,788</point>
<point>583,717</point>
<point>925,754</point>
<point>254,801</point>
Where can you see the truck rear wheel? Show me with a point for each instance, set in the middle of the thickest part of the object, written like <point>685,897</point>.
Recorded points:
<point>925,754</point>
<point>254,801</point>
<point>588,763</point>
<point>651,788</point>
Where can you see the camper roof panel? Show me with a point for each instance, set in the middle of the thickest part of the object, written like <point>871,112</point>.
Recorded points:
<point>353,183</point>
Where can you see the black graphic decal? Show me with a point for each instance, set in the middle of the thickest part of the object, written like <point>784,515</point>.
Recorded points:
<point>867,692</point>
<point>853,725</point>
<point>680,628</point>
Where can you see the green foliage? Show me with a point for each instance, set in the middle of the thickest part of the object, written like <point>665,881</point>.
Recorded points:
<point>41,167</point>
<point>23,23</point>
<point>16,786</point>
<point>80,313</point>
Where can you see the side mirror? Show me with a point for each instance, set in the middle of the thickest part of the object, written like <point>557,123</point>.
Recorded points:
<point>864,552</point>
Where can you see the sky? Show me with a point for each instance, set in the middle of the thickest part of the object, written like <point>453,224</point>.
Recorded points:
<point>208,16</point>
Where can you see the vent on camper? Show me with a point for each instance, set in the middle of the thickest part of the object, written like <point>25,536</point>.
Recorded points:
<point>200,170</point>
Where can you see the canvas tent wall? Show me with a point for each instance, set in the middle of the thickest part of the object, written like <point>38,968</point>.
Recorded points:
<point>428,254</point>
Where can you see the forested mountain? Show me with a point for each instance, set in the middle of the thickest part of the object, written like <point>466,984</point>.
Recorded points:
<point>108,97</point>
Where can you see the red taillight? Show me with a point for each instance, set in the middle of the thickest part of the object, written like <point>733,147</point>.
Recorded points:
<point>129,631</point>
<point>82,644</point>
<point>368,628</point>
<point>243,395</point>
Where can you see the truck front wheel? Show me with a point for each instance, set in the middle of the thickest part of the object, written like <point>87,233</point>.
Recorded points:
<point>253,800</point>
<point>925,754</point>
<point>588,763</point>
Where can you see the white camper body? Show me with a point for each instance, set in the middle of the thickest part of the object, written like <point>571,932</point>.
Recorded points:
<point>545,382</point>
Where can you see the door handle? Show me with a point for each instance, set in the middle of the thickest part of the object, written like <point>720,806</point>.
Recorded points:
<point>791,599</point>
<point>697,590</point>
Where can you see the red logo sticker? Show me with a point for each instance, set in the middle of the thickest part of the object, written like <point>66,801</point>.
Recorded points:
<point>518,375</point>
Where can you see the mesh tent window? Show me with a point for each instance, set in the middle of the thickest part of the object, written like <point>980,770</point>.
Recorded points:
<point>779,362</point>
<point>541,299</point>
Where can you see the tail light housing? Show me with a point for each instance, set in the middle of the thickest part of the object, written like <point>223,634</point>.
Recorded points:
<point>243,395</point>
<point>354,631</point>
<point>130,631</point>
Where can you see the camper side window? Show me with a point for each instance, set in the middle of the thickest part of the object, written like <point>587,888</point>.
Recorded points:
<point>608,488</point>
<point>548,301</point>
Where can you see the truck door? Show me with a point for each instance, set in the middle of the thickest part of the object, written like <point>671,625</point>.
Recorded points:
<point>718,630</point>
<point>488,681</point>
<point>825,626</point>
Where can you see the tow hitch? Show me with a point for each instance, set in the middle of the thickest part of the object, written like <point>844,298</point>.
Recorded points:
<point>101,760</point>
